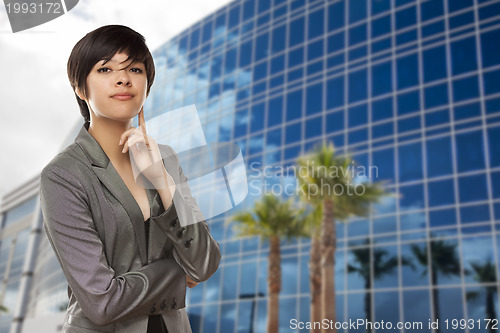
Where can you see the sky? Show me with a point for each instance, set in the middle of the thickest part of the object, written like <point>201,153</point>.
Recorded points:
<point>38,108</point>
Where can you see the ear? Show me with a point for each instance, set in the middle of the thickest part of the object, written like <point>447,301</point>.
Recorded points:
<point>79,93</point>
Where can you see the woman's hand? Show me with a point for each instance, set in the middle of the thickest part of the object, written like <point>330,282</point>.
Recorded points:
<point>190,283</point>
<point>145,156</point>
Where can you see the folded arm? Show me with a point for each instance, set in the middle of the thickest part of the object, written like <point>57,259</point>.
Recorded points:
<point>194,248</point>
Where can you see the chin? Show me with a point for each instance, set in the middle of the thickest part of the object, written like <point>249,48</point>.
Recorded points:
<point>121,117</point>
<point>126,114</point>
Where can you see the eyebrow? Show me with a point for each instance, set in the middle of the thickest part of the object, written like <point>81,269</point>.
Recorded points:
<point>137,62</point>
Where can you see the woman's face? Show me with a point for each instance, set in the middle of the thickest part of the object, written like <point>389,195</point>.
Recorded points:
<point>114,91</point>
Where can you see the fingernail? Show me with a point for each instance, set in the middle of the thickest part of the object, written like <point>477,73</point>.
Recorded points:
<point>119,143</point>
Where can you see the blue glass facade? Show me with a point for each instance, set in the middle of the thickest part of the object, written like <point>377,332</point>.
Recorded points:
<point>14,236</point>
<point>411,87</point>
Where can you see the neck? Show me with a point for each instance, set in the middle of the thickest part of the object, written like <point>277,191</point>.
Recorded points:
<point>107,133</point>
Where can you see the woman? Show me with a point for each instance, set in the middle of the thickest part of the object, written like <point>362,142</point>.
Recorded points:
<point>127,252</point>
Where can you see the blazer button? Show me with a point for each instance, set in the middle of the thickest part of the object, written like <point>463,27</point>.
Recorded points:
<point>163,305</point>
<point>153,309</point>
<point>173,223</point>
<point>173,304</point>
<point>179,234</point>
<point>188,243</point>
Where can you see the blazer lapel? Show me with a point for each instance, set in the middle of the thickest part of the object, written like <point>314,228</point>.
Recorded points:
<point>110,178</point>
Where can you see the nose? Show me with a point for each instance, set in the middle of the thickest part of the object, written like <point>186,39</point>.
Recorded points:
<point>123,78</point>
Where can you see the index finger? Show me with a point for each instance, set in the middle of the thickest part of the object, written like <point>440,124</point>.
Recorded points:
<point>142,125</point>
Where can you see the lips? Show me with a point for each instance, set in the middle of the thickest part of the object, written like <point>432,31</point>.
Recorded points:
<point>122,96</point>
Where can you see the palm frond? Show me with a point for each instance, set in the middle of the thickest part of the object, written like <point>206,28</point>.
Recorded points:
<point>325,174</point>
<point>271,216</point>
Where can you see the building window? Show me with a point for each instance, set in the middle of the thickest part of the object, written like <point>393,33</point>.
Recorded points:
<point>20,211</point>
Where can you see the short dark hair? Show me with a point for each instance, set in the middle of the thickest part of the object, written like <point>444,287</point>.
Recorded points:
<point>102,44</point>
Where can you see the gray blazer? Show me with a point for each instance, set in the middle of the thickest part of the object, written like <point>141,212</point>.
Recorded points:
<point>96,229</point>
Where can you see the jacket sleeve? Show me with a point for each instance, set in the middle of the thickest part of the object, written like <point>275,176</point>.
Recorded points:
<point>194,248</point>
<point>103,296</point>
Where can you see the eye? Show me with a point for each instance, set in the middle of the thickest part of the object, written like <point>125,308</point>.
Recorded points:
<point>103,70</point>
<point>137,70</point>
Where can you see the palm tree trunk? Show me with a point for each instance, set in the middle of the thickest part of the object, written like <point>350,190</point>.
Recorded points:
<point>274,285</point>
<point>328,247</point>
<point>368,303</point>
<point>315,281</point>
<point>490,310</point>
<point>435,296</point>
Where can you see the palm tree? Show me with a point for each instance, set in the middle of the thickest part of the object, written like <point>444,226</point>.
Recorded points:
<point>382,265</point>
<point>328,179</point>
<point>486,273</point>
<point>272,219</point>
<point>313,228</point>
<point>443,260</point>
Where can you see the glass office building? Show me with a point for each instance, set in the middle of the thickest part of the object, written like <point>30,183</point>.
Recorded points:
<point>18,209</point>
<point>411,88</point>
